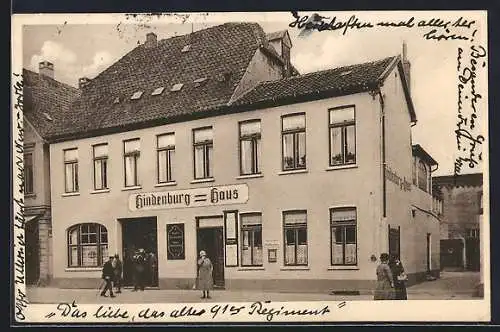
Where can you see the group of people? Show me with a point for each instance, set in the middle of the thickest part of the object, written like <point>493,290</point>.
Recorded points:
<point>141,263</point>
<point>391,279</point>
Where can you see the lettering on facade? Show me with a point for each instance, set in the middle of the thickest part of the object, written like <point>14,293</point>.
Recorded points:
<point>175,241</point>
<point>197,197</point>
<point>392,176</point>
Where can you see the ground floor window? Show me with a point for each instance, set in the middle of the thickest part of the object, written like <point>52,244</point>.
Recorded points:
<point>343,236</point>
<point>87,245</point>
<point>295,233</point>
<point>251,234</point>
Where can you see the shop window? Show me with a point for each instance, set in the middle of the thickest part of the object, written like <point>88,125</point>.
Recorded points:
<point>294,141</point>
<point>203,153</point>
<point>422,176</point>
<point>71,170</point>
<point>131,160</point>
<point>28,174</point>
<point>100,166</point>
<point>250,147</point>
<point>295,237</point>
<point>87,245</point>
<point>342,136</point>
<point>343,236</point>
<point>251,235</point>
<point>166,153</point>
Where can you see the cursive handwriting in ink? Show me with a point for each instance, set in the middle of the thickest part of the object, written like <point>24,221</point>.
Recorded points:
<point>434,35</point>
<point>463,23</point>
<point>110,312</point>
<point>405,24</point>
<point>150,313</point>
<point>221,310</point>
<point>316,22</point>
<point>259,308</point>
<point>21,304</point>
<point>70,310</point>
<point>186,311</point>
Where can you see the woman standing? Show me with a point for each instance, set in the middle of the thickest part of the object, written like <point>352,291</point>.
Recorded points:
<point>385,281</point>
<point>205,269</point>
<point>399,276</point>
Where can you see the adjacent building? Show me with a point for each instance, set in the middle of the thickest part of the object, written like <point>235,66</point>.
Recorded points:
<point>213,141</point>
<point>45,100</point>
<point>460,226</point>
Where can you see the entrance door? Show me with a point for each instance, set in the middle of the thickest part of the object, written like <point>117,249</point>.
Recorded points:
<point>211,240</point>
<point>32,253</point>
<point>140,233</point>
<point>395,241</point>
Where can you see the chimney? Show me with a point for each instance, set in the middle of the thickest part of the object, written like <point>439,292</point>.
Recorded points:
<point>83,81</point>
<point>150,40</point>
<point>46,68</point>
<point>406,66</point>
<point>281,42</point>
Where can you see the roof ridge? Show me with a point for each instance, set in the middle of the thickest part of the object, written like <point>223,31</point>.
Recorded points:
<point>59,83</point>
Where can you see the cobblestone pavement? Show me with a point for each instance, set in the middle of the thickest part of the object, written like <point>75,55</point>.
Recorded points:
<point>451,285</point>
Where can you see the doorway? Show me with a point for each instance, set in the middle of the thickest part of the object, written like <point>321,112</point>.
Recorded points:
<point>32,252</point>
<point>429,253</point>
<point>395,241</point>
<point>211,239</point>
<point>140,233</point>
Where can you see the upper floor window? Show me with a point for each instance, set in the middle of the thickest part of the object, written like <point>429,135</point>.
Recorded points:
<point>87,245</point>
<point>131,155</point>
<point>203,153</point>
<point>166,152</point>
<point>250,147</point>
<point>294,141</point>
<point>414,170</point>
<point>100,166</point>
<point>295,233</point>
<point>342,136</point>
<point>251,234</point>
<point>71,170</point>
<point>28,173</point>
<point>343,236</point>
<point>422,176</point>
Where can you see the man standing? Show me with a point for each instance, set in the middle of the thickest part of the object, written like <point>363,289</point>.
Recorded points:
<point>117,269</point>
<point>107,276</point>
<point>139,269</point>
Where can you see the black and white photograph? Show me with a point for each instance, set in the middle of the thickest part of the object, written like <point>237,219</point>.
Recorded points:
<point>250,167</point>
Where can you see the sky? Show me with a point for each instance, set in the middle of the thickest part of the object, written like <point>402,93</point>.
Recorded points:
<point>85,45</point>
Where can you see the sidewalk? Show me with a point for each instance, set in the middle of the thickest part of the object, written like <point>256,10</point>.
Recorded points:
<point>452,286</point>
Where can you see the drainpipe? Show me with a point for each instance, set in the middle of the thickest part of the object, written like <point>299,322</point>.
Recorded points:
<point>382,120</point>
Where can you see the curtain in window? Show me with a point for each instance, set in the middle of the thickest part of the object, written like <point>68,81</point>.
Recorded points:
<point>198,161</point>
<point>162,166</point>
<point>130,171</point>
<point>301,137</point>
<point>336,146</point>
<point>294,122</point>
<point>246,156</point>
<point>350,144</point>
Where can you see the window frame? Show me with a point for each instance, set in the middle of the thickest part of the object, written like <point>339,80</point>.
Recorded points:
<point>136,155</point>
<point>343,226</point>
<point>343,136</point>
<point>29,175</point>
<point>255,141</point>
<point>74,168</point>
<point>207,172</point>
<point>295,228</point>
<point>104,175</point>
<point>79,245</point>
<point>251,229</point>
<point>168,149</point>
<point>426,189</point>
<point>295,142</point>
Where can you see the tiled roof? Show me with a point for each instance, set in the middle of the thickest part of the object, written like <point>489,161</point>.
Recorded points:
<point>463,180</point>
<point>45,101</point>
<point>276,35</point>
<point>419,151</point>
<point>322,84</point>
<point>221,54</point>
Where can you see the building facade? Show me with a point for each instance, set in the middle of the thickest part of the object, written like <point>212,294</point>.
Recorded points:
<point>287,181</point>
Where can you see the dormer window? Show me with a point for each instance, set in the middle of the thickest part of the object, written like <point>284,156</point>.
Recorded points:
<point>186,48</point>
<point>177,87</point>
<point>136,95</point>
<point>198,81</point>
<point>47,116</point>
<point>158,91</point>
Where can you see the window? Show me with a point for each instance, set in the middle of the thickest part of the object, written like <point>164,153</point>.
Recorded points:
<point>166,152</point>
<point>251,234</point>
<point>343,236</point>
<point>250,147</point>
<point>342,136</point>
<point>131,159</point>
<point>100,166</point>
<point>71,170</point>
<point>203,152</point>
<point>28,173</point>
<point>472,233</point>
<point>422,176</point>
<point>295,233</point>
<point>87,245</point>
<point>294,141</point>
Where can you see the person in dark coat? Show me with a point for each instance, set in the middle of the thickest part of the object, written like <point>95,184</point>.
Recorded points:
<point>140,261</point>
<point>107,276</point>
<point>117,269</point>
<point>385,281</point>
<point>399,276</point>
<point>153,264</point>
<point>205,269</point>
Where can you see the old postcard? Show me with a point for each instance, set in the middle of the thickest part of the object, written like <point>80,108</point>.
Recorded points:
<point>250,167</point>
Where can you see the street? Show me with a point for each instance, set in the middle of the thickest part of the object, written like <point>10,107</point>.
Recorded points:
<point>451,286</point>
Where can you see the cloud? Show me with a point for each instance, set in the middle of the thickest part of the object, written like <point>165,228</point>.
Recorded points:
<point>100,61</point>
<point>56,53</point>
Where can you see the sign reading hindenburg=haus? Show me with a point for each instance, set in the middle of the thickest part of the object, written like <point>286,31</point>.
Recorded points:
<point>196,197</point>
